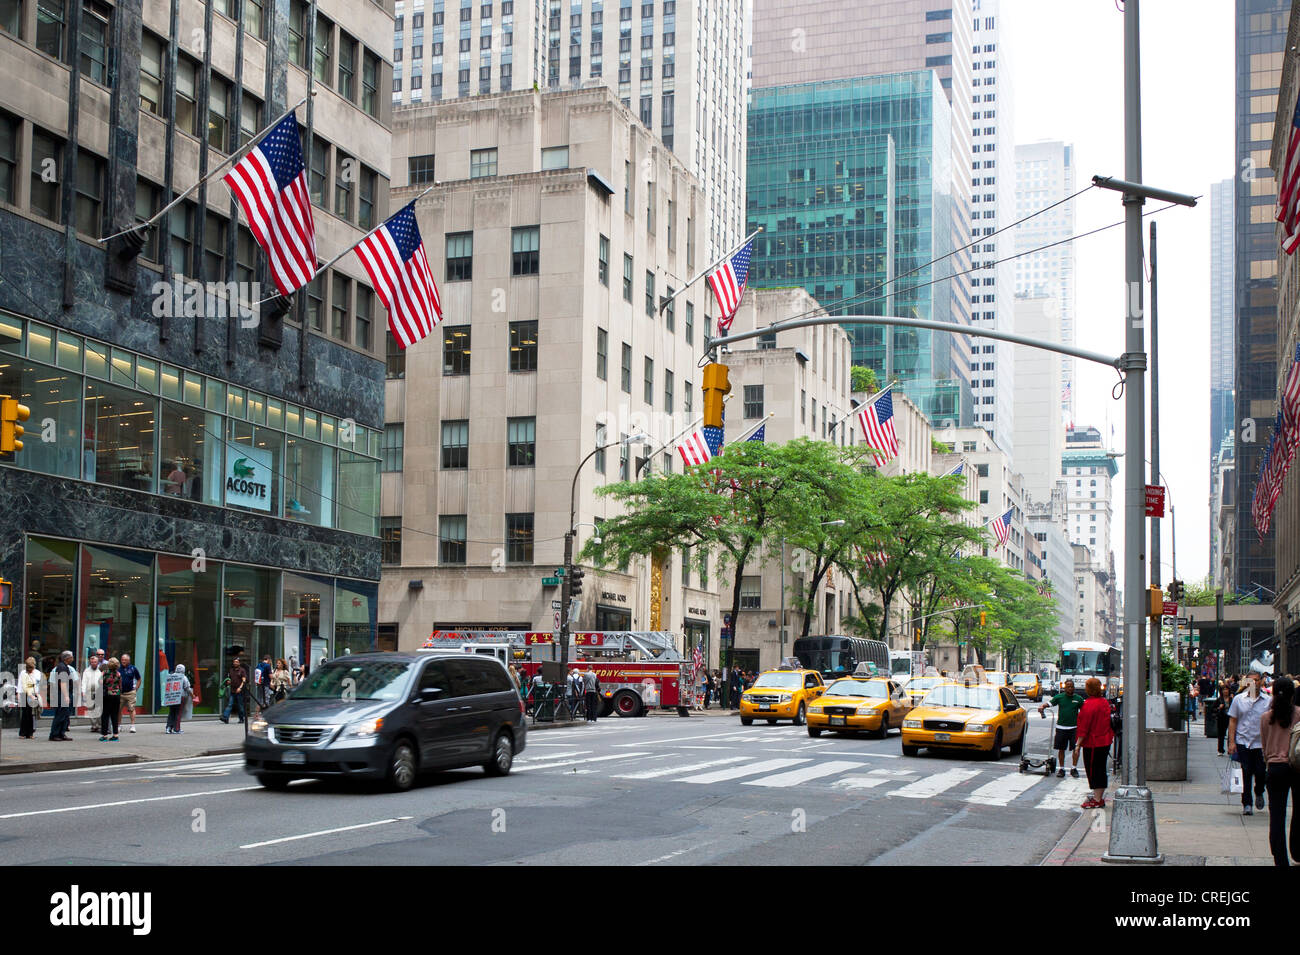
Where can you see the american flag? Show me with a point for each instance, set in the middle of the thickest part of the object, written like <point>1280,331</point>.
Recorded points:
<point>874,558</point>
<point>394,258</point>
<point>270,185</point>
<point>1002,527</point>
<point>697,657</point>
<point>760,435</point>
<point>701,445</point>
<point>1287,210</point>
<point>877,421</point>
<point>1291,404</point>
<point>957,470</point>
<point>728,284</point>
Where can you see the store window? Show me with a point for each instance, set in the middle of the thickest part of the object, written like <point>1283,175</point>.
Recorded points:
<point>308,617</point>
<point>355,616</point>
<point>189,629</point>
<point>358,497</point>
<point>190,463</point>
<point>51,601</point>
<point>254,458</point>
<point>250,611</point>
<point>308,482</point>
<point>118,444</point>
<point>116,603</point>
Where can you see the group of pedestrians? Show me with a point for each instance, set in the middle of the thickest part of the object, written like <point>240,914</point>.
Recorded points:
<point>106,688</point>
<point>580,686</point>
<point>1083,726</point>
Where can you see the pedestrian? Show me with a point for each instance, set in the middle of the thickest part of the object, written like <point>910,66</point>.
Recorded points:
<point>131,680</point>
<point>237,678</point>
<point>1067,703</point>
<point>262,681</point>
<point>706,689</point>
<point>514,677</point>
<point>1192,693</point>
<point>29,699</point>
<point>281,681</point>
<point>1095,737</point>
<point>1222,701</point>
<point>591,684</point>
<point>734,686</point>
<point>90,695</point>
<point>1282,780</point>
<point>1244,743</point>
<point>63,696</point>
<point>294,670</point>
<point>177,711</point>
<point>110,684</point>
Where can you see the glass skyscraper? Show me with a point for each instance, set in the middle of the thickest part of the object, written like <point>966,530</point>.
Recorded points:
<point>851,181</point>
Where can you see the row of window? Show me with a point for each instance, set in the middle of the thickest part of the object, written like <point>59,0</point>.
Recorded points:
<point>452,539</point>
<point>521,444</point>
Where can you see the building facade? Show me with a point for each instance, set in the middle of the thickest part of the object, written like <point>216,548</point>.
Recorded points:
<point>1088,471</point>
<point>1000,489</point>
<point>1221,345</point>
<point>1045,523</point>
<point>199,477</point>
<point>1039,434</point>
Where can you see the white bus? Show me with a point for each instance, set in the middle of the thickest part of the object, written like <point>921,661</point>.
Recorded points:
<point>1083,659</point>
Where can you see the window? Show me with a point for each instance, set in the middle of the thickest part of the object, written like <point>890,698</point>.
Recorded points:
<point>90,192</point>
<point>668,391</point>
<point>519,538</point>
<point>319,170</point>
<point>419,170</point>
<point>672,233</point>
<point>523,346</point>
<point>250,118</point>
<point>455,445</point>
<point>254,17</point>
<point>627,278</point>
<point>602,266</point>
<point>119,427</point>
<point>767,342</point>
<point>751,593</point>
<point>214,247</point>
<point>753,401</point>
<point>370,83</point>
<point>523,250</point>
<point>599,456</point>
<point>670,312</point>
<point>298,32</point>
<point>345,171</point>
<point>364,311</point>
<point>521,442</point>
<point>602,357</point>
<point>686,398</point>
<point>460,256</point>
<point>390,451</point>
<point>340,307</point>
<point>690,323</point>
<point>151,73</point>
<point>626,380</point>
<point>186,87</point>
<point>649,382</point>
<point>390,536</point>
<point>451,539</point>
<point>455,349</point>
<point>555,157</point>
<point>366,198</point>
<point>347,66</point>
<point>322,63</point>
<point>650,293</point>
<point>984,497</point>
<point>482,163</point>
<point>623,458</point>
<point>50,24</point>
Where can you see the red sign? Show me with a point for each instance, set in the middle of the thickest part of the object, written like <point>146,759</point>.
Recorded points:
<point>1155,501</point>
<point>589,639</point>
<point>532,639</point>
<point>1171,609</point>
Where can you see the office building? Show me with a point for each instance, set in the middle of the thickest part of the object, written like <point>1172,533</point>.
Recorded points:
<point>1222,326</point>
<point>1045,523</point>
<point>1039,434</point>
<point>1088,471</point>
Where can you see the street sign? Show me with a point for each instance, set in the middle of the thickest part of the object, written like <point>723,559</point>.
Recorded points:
<point>575,608</point>
<point>557,618</point>
<point>555,605</point>
<point>550,581</point>
<point>1171,609</point>
<point>1155,501</point>
<point>559,571</point>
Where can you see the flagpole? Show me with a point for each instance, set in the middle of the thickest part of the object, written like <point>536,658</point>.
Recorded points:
<point>674,439</point>
<point>336,258</point>
<point>858,409</point>
<point>237,154</point>
<point>664,300</point>
<point>746,434</point>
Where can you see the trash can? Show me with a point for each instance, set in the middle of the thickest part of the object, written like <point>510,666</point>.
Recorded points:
<point>1211,724</point>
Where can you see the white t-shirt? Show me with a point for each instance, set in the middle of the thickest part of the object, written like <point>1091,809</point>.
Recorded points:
<point>1248,714</point>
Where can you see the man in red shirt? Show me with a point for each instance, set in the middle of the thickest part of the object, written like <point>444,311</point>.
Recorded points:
<point>1095,737</point>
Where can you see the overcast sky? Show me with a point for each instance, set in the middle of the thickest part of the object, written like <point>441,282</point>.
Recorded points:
<point>1068,74</point>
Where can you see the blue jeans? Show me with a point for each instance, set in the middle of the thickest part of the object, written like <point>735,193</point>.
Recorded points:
<point>235,701</point>
<point>62,721</point>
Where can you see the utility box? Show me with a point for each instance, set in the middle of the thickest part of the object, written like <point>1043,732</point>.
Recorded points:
<point>1166,755</point>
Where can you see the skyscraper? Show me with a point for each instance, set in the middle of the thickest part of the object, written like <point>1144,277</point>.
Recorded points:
<point>1261,36</point>
<point>686,84</point>
<point>1221,344</point>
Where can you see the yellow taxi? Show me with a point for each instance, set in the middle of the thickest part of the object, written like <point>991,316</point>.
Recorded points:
<point>856,705</point>
<point>1027,685</point>
<point>976,717</point>
<point>784,693</point>
<point>997,678</point>
<point>918,686</point>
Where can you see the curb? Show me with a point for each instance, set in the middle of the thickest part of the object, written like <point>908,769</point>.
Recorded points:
<point>1069,843</point>
<point>86,763</point>
<point>551,725</point>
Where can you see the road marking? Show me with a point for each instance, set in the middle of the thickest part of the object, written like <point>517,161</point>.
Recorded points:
<point>673,770</point>
<point>753,769</point>
<point>934,785</point>
<point>675,854</point>
<point>1067,794</point>
<point>126,802</point>
<point>677,739</point>
<point>707,747</point>
<point>859,782</point>
<point>796,776</point>
<point>548,756</point>
<point>325,832</point>
<point>580,762</point>
<point>1001,791</point>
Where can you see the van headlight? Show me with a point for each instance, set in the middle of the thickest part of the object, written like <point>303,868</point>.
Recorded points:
<point>364,728</point>
<point>257,728</point>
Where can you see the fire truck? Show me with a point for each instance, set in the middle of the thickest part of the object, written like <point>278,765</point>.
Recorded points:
<point>639,670</point>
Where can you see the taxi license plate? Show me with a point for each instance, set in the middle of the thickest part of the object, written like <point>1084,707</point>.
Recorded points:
<point>765,706</point>
<point>294,757</point>
<point>837,721</point>
<point>942,737</point>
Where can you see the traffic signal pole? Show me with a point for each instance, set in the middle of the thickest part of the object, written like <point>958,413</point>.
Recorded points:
<point>1153,652</point>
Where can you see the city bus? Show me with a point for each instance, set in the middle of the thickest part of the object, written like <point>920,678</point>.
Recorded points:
<point>1084,659</point>
<point>836,655</point>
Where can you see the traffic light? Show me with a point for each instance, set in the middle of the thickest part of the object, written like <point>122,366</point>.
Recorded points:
<point>982,618</point>
<point>6,594</point>
<point>575,581</point>
<point>716,387</point>
<point>1155,601</point>
<point>11,412</point>
<point>1176,591</point>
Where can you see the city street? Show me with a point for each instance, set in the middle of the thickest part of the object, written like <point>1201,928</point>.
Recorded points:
<point>621,792</point>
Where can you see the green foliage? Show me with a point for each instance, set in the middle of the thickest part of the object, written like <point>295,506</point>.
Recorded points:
<point>864,379</point>
<point>1173,676</point>
<point>1201,595</point>
<point>938,447</point>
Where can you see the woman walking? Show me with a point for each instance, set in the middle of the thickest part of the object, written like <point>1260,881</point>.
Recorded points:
<point>1222,703</point>
<point>281,681</point>
<point>1094,737</point>
<point>29,699</point>
<point>110,686</point>
<point>1282,780</point>
<point>176,712</point>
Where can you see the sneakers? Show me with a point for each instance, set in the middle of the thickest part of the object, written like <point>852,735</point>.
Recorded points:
<point>1074,773</point>
<point>103,739</point>
<point>132,727</point>
<point>1259,800</point>
<point>113,739</point>
<point>1247,811</point>
<point>1060,774</point>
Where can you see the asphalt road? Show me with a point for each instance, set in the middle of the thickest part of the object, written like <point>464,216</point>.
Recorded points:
<point>653,791</point>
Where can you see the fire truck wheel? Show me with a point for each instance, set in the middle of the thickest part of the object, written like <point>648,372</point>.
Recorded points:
<point>627,703</point>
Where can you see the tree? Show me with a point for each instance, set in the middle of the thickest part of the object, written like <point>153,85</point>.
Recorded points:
<point>864,379</point>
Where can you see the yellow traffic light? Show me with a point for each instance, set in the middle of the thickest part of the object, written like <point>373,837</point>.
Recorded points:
<point>6,594</point>
<point>11,412</point>
<point>716,387</point>
<point>1155,601</point>
<point>982,618</point>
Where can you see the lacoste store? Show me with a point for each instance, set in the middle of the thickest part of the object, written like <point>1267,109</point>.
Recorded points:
<point>165,609</point>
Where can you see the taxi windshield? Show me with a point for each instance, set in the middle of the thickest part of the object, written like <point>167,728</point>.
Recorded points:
<point>779,681</point>
<point>924,682</point>
<point>971,697</point>
<point>861,688</point>
<point>1024,678</point>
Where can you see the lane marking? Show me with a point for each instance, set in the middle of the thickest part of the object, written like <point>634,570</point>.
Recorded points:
<point>127,802</point>
<point>999,792</point>
<point>325,832</point>
<point>548,756</point>
<point>675,854</point>
<point>936,784</point>
<point>673,770</point>
<point>753,769</point>
<point>582,762</point>
<point>859,782</point>
<point>796,776</point>
<point>1067,794</point>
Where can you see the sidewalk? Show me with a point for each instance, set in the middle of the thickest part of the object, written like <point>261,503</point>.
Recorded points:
<point>1196,824</point>
<point>205,736</point>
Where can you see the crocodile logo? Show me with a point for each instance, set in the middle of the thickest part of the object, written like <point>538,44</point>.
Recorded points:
<point>242,469</point>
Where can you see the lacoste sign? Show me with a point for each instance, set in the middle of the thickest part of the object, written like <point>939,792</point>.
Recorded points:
<point>248,476</point>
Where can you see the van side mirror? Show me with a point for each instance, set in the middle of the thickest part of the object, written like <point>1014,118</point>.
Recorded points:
<point>430,693</point>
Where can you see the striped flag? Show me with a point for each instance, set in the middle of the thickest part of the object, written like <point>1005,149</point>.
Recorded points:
<point>1002,528</point>
<point>393,256</point>
<point>1287,210</point>
<point>1291,404</point>
<point>701,445</point>
<point>877,421</point>
<point>270,185</point>
<point>728,284</point>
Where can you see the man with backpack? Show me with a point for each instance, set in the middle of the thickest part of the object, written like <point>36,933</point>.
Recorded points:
<point>591,684</point>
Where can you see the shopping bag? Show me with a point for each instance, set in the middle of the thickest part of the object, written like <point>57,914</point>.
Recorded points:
<point>1225,780</point>
<point>1237,783</point>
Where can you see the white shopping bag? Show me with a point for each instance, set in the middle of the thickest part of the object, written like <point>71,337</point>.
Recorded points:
<point>1237,783</point>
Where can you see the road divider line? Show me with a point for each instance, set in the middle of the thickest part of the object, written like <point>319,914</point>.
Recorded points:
<point>325,832</point>
<point>549,756</point>
<point>126,802</point>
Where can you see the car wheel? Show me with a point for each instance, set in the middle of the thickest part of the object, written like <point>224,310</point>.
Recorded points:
<point>401,767</point>
<point>996,752</point>
<point>746,721</point>
<point>910,750</point>
<point>884,726</point>
<point>503,755</point>
<point>814,731</point>
<point>802,716</point>
<point>277,783</point>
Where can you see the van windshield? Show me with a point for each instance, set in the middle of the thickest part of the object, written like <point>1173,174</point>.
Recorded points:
<point>371,680</point>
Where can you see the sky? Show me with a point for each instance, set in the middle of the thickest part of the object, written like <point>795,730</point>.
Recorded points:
<point>1066,59</point>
